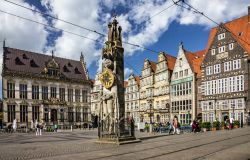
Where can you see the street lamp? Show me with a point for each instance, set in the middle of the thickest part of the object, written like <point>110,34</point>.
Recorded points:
<point>26,117</point>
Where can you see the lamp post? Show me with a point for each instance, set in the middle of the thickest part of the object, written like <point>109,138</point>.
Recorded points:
<point>233,110</point>
<point>26,117</point>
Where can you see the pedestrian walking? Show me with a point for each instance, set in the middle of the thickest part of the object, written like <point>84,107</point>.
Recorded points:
<point>231,123</point>
<point>37,128</point>
<point>14,125</point>
<point>40,129</point>
<point>175,124</point>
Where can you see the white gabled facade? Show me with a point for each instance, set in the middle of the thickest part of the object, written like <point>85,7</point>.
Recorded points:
<point>132,98</point>
<point>183,89</point>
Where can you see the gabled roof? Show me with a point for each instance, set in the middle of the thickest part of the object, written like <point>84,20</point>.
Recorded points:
<point>240,29</point>
<point>152,65</point>
<point>170,61</point>
<point>74,69</point>
<point>195,59</point>
<point>137,79</point>
<point>125,83</point>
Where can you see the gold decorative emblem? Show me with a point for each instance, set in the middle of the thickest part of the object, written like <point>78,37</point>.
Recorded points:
<point>1,115</point>
<point>107,78</point>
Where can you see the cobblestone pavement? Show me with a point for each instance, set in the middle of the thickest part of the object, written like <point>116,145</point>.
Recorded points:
<point>233,144</point>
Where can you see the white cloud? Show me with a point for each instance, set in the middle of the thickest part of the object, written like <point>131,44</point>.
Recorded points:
<point>80,13</point>
<point>147,31</point>
<point>219,11</point>
<point>21,33</point>
<point>127,72</point>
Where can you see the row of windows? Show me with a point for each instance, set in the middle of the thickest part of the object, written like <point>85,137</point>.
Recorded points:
<point>210,117</point>
<point>45,93</point>
<point>222,49</point>
<point>228,66</point>
<point>132,96</point>
<point>131,106</point>
<point>11,114</point>
<point>161,77</point>
<point>225,85</point>
<point>183,105</point>
<point>131,89</point>
<point>223,104</point>
<point>181,89</point>
<point>180,74</point>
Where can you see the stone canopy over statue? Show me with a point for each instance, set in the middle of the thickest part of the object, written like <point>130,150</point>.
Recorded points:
<point>112,123</point>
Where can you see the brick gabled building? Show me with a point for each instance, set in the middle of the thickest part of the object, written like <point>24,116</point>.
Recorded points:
<point>45,88</point>
<point>225,71</point>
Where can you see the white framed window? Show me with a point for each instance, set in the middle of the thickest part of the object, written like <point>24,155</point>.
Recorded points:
<point>176,75</point>
<point>217,68</point>
<point>236,64</point>
<point>241,83</point>
<point>240,103</point>
<point>209,70</point>
<point>213,51</point>
<point>221,49</point>
<point>181,74</point>
<point>186,72</point>
<point>227,66</point>
<point>231,46</point>
<point>211,117</point>
<point>221,36</point>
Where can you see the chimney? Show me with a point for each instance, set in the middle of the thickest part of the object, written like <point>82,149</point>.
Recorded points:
<point>248,14</point>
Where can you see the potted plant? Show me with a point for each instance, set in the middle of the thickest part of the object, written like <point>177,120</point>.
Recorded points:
<point>205,126</point>
<point>222,125</point>
<point>216,125</point>
<point>146,127</point>
<point>236,124</point>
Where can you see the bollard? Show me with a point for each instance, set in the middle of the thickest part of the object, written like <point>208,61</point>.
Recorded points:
<point>71,128</point>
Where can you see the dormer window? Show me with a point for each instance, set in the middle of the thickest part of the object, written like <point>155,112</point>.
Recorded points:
<point>65,69</point>
<point>18,61</point>
<point>213,51</point>
<point>70,65</point>
<point>231,46</point>
<point>25,56</point>
<point>33,63</point>
<point>52,72</point>
<point>221,36</point>
<point>77,71</point>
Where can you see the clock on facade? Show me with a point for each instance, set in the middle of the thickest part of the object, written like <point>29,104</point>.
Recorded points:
<point>107,78</point>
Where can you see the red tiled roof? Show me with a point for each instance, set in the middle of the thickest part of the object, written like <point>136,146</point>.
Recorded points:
<point>239,25</point>
<point>153,65</point>
<point>69,68</point>
<point>137,78</point>
<point>170,61</point>
<point>195,60</point>
<point>125,84</point>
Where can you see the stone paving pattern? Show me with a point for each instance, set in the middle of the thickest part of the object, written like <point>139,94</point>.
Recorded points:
<point>233,144</point>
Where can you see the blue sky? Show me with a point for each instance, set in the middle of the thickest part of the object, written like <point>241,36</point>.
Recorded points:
<point>162,32</point>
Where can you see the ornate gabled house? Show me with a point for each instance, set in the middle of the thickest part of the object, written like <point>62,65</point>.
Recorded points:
<point>132,97</point>
<point>225,72</point>
<point>147,91</point>
<point>95,96</point>
<point>164,69</point>
<point>45,88</point>
<point>183,85</point>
